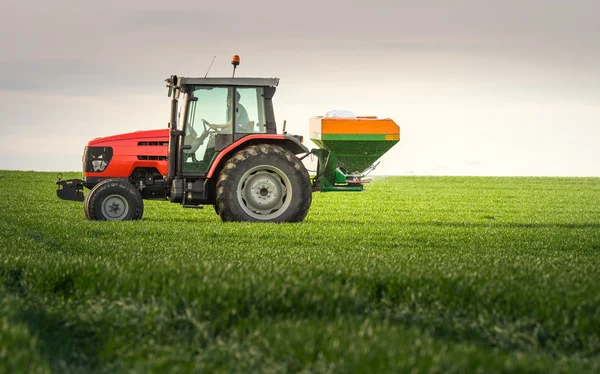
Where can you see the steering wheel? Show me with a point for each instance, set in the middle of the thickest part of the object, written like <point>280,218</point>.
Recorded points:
<point>205,123</point>
<point>196,141</point>
<point>208,130</point>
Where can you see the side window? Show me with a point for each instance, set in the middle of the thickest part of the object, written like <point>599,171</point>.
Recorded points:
<point>250,111</point>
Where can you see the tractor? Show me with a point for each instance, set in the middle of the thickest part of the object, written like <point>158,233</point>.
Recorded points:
<point>222,148</point>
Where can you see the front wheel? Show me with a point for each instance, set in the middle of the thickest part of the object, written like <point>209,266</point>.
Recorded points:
<point>263,183</point>
<point>114,200</point>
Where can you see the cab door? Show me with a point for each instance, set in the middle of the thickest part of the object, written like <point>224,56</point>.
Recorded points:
<point>206,105</point>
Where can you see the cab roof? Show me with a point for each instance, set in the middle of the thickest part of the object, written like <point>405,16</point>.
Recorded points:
<point>251,82</point>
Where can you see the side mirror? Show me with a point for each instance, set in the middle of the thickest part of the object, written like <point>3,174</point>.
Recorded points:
<point>170,82</point>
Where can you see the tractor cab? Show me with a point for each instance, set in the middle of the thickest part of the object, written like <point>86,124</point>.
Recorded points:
<point>210,114</point>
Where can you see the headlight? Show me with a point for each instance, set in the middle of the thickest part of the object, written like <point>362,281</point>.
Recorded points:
<point>96,159</point>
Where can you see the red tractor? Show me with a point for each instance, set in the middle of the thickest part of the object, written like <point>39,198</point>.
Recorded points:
<point>221,148</point>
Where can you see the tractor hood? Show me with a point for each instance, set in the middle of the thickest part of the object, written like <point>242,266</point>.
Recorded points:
<point>147,135</point>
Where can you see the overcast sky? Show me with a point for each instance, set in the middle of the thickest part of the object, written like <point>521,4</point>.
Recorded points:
<point>477,87</point>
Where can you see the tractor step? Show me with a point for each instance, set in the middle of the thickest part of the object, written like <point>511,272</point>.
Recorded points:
<point>193,206</point>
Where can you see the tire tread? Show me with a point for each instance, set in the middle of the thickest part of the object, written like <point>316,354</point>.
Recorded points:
<point>91,199</point>
<point>230,171</point>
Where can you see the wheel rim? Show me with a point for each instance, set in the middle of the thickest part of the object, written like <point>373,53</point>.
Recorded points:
<point>264,192</point>
<point>115,208</point>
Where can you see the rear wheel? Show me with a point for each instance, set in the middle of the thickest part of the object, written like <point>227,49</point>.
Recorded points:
<point>114,200</point>
<point>263,183</point>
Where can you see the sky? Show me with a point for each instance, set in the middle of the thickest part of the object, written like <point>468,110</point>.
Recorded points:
<point>499,88</point>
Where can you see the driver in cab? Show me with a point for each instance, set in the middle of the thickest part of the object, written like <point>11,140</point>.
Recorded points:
<point>241,117</point>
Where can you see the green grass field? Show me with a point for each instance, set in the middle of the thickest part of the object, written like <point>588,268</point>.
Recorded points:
<point>431,274</point>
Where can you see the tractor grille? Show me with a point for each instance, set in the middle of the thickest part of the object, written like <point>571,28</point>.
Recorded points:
<point>153,143</point>
<point>158,158</point>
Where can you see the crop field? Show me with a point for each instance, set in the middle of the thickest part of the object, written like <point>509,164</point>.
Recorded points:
<point>423,274</point>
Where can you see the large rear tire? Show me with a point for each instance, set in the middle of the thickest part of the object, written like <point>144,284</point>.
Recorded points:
<point>264,183</point>
<point>114,200</point>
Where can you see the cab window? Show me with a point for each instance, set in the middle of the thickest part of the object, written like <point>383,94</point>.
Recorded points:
<point>250,111</point>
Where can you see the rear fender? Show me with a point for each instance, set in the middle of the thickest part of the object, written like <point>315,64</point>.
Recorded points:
<point>289,142</point>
